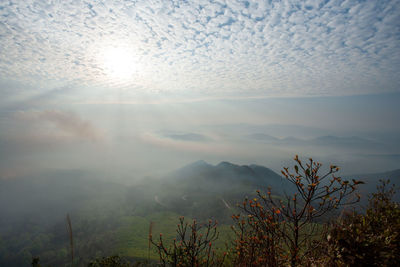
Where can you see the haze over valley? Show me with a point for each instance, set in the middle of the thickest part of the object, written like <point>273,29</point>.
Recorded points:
<point>125,114</point>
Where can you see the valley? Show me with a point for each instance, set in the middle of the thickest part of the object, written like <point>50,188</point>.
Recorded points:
<point>110,218</point>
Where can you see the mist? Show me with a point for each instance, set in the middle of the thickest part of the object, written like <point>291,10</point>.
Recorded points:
<point>126,142</point>
<point>122,115</point>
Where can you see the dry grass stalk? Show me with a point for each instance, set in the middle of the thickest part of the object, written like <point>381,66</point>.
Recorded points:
<point>71,242</point>
<point>150,238</point>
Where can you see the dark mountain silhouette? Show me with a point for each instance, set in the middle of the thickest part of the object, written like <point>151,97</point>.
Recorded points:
<point>225,176</point>
<point>202,190</point>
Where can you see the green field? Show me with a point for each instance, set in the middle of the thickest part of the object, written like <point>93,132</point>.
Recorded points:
<point>133,235</point>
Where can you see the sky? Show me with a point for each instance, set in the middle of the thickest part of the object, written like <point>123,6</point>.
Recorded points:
<point>135,88</point>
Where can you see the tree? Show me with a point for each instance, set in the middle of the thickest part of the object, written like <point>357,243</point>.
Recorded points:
<point>112,261</point>
<point>370,239</point>
<point>36,262</point>
<point>258,241</point>
<point>284,229</point>
<point>192,247</point>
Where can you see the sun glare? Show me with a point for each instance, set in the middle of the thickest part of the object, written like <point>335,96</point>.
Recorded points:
<point>119,63</point>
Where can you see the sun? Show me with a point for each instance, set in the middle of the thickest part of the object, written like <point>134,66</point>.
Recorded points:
<point>119,63</point>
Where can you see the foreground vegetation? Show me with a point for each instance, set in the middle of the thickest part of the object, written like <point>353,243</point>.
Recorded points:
<point>266,229</point>
<point>271,232</point>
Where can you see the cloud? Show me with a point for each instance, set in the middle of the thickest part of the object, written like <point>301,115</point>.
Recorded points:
<point>36,140</point>
<point>57,125</point>
<point>230,47</point>
<point>187,143</point>
<point>194,137</point>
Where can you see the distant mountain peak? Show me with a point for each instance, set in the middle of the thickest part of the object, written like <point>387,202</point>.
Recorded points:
<point>263,137</point>
<point>258,166</point>
<point>226,176</point>
<point>226,164</point>
<point>200,164</point>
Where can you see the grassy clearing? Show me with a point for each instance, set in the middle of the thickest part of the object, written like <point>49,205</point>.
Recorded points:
<point>133,235</point>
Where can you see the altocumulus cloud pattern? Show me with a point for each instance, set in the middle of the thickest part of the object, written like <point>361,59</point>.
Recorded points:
<point>242,48</point>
